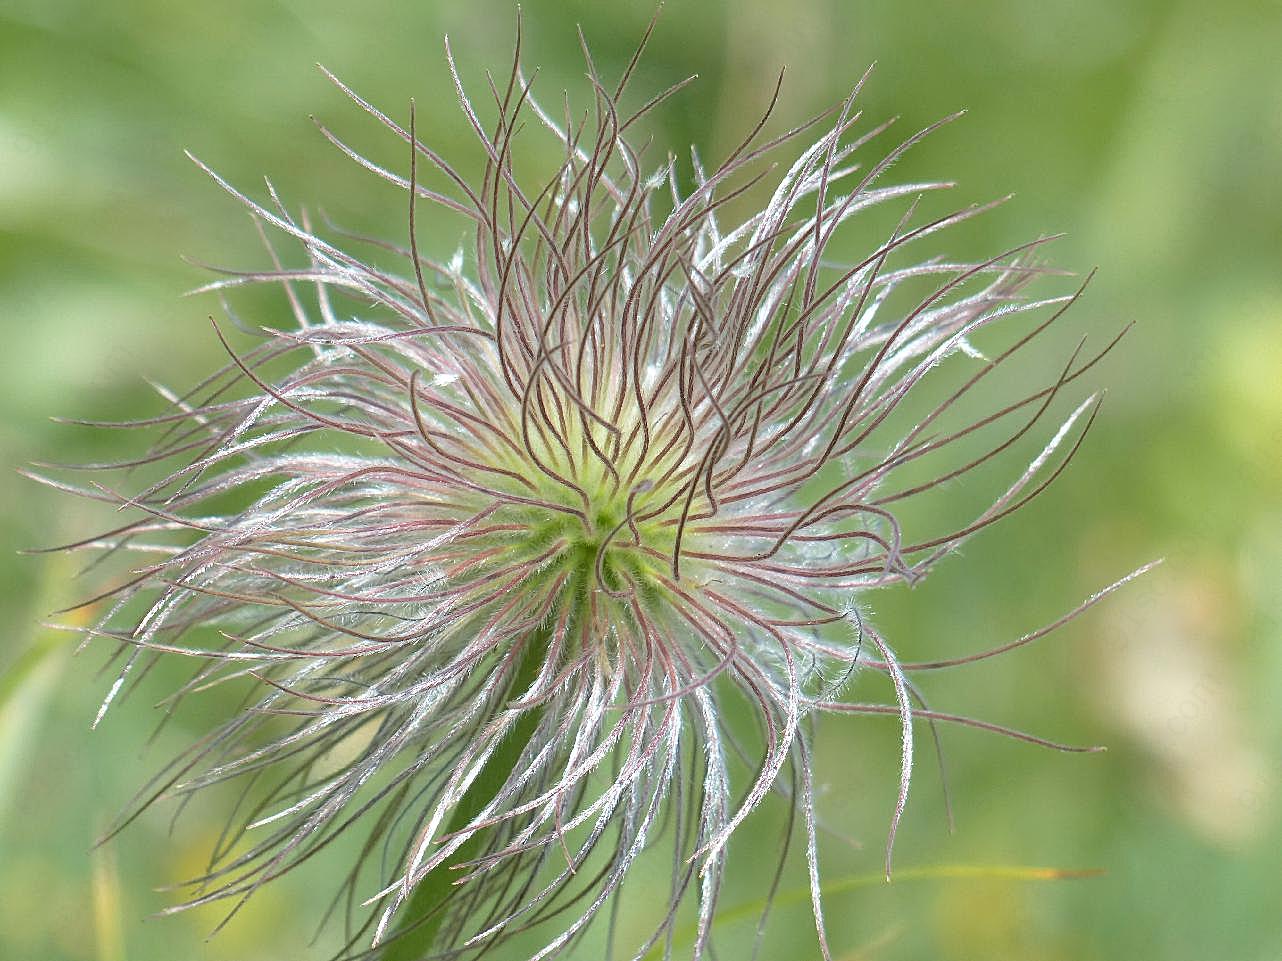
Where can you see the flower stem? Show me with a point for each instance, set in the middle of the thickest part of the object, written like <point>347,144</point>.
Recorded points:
<point>428,905</point>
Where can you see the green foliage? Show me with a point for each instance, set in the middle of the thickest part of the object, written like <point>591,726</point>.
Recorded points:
<point>1147,129</point>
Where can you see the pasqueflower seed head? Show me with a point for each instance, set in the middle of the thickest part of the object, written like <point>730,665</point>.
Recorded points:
<point>540,558</point>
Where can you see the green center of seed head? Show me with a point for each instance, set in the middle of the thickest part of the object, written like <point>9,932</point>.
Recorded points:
<point>613,555</point>
<point>609,544</point>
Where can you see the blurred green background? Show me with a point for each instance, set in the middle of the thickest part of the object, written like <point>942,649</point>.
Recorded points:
<point>1150,131</point>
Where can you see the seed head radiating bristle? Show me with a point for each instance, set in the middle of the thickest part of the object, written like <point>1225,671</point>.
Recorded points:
<point>510,533</point>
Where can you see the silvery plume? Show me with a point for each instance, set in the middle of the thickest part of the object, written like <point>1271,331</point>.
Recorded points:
<point>544,559</point>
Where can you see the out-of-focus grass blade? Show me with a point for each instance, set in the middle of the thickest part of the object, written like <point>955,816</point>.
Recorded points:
<point>935,872</point>
<point>109,937</point>
<point>869,949</point>
<point>26,687</point>
<point>950,872</point>
<point>28,682</point>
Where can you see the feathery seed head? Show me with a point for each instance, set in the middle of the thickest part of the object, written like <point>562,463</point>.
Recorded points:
<point>512,530</point>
